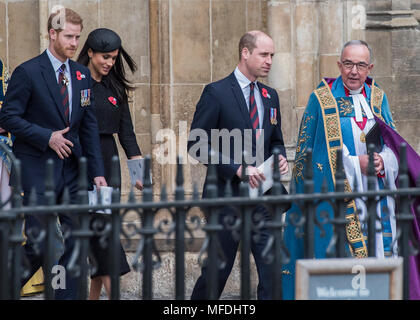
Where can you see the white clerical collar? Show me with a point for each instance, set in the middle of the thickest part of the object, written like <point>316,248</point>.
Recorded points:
<point>353,92</point>
<point>359,91</point>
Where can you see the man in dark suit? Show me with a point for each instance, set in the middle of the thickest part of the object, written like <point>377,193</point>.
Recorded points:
<point>240,104</point>
<point>48,109</point>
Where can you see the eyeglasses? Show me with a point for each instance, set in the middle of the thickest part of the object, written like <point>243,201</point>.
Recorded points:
<point>361,66</point>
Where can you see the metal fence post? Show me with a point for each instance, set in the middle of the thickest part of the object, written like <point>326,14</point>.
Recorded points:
<point>4,257</point>
<point>245,239</point>
<point>309,210</point>
<point>83,233</point>
<point>114,239</point>
<point>16,239</point>
<point>148,231</point>
<point>51,220</point>
<point>404,219</point>
<point>371,205</point>
<point>179,235</point>
<point>340,219</point>
<point>212,228</point>
<point>276,227</point>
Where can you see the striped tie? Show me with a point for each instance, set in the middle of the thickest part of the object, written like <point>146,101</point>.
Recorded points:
<point>253,111</point>
<point>63,82</point>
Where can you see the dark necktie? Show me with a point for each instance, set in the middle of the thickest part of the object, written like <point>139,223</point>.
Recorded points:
<point>63,83</point>
<point>253,111</point>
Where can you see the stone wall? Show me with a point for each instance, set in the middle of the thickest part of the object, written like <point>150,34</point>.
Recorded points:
<point>181,45</point>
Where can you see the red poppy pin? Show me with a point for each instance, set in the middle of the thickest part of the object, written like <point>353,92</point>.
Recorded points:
<point>80,75</point>
<point>113,101</point>
<point>265,93</point>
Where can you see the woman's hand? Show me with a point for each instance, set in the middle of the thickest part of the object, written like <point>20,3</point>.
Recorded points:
<point>139,184</point>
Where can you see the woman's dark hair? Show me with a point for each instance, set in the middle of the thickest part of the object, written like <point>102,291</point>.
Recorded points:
<point>116,79</point>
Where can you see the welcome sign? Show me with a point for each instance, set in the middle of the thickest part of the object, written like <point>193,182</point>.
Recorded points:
<point>349,279</point>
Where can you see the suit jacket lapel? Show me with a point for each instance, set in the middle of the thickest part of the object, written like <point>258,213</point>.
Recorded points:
<point>48,73</point>
<point>241,100</point>
<point>267,107</point>
<point>75,90</point>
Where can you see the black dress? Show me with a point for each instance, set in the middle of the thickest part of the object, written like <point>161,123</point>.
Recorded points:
<point>113,116</point>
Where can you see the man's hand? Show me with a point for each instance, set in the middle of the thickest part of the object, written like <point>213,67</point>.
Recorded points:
<point>378,163</point>
<point>364,163</point>
<point>60,144</point>
<point>100,182</point>
<point>283,166</point>
<point>255,176</point>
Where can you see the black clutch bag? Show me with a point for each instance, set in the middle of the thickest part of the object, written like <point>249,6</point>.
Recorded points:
<point>374,137</point>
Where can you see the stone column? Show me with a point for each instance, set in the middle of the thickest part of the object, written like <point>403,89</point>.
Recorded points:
<point>43,21</point>
<point>155,27</point>
<point>306,37</point>
<point>400,16</point>
<point>331,30</point>
<point>23,27</point>
<point>395,40</point>
<point>282,77</point>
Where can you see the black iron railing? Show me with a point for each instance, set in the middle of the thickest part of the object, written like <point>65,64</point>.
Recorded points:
<point>183,220</point>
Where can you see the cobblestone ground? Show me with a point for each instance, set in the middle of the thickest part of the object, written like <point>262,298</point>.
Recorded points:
<point>126,296</point>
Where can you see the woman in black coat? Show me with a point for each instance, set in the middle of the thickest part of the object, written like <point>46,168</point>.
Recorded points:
<point>102,54</point>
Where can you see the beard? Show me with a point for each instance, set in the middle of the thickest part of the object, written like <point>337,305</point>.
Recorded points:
<point>63,51</point>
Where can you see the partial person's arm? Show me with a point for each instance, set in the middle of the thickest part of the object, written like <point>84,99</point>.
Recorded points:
<point>127,138</point>
<point>14,107</point>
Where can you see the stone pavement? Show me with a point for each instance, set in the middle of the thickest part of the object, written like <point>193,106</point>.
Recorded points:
<point>164,280</point>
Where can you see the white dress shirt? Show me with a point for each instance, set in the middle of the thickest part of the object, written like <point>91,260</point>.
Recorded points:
<point>244,84</point>
<point>56,66</point>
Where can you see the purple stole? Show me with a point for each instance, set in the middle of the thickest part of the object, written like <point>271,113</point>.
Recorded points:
<point>393,140</point>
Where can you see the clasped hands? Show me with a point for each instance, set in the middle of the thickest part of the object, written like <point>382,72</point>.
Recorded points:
<point>256,176</point>
<point>378,163</point>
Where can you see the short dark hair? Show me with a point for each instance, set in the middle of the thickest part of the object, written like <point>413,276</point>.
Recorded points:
<point>358,43</point>
<point>69,16</point>
<point>248,40</point>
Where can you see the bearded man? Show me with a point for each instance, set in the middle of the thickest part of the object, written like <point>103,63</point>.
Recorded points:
<point>48,108</point>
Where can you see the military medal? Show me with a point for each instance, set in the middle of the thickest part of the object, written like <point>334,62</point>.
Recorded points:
<point>273,116</point>
<point>65,81</point>
<point>363,137</point>
<point>85,97</point>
